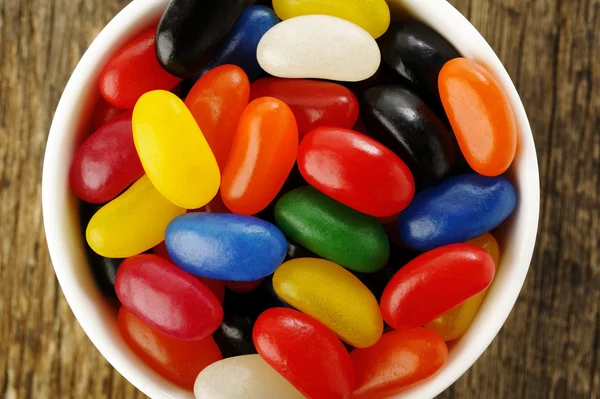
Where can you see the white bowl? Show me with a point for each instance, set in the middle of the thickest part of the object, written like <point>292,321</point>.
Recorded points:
<point>98,317</point>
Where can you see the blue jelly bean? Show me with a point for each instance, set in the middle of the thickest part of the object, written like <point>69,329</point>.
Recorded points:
<point>224,246</point>
<point>459,209</point>
<point>239,46</point>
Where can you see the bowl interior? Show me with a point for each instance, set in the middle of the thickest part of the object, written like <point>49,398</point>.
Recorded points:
<point>97,315</point>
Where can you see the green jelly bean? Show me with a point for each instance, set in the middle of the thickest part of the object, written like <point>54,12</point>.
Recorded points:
<point>333,230</point>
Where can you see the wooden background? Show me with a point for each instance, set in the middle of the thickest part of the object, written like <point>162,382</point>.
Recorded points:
<point>547,349</point>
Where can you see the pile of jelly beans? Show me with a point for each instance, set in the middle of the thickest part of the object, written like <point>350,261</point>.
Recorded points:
<point>294,201</point>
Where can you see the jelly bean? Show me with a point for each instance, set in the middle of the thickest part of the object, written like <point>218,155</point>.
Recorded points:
<point>176,360</point>
<point>243,287</point>
<point>217,102</point>
<point>417,53</point>
<point>262,155</point>
<point>239,47</point>
<point>134,71</point>
<point>371,15</point>
<point>216,205</point>
<point>397,361</point>
<point>454,323</point>
<point>123,228</point>
<point>173,151</point>
<point>376,282</point>
<point>103,269</point>
<point>224,246</point>
<point>247,377</point>
<point>106,163</point>
<point>332,295</point>
<point>166,298</point>
<point>295,250</point>
<point>435,282</point>
<point>190,29</point>
<point>355,170</point>
<point>480,114</point>
<point>319,46</point>
<point>459,209</point>
<point>305,352</point>
<point>332,230</point>
<point>314,103</point>
<point>104,113</point>
<point>234,336</point>
<point>400,120</point>
<point>217,287</point>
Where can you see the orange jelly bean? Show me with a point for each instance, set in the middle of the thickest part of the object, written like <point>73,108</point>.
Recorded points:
<point>178,361</point>
<point>262,156</point>
<point>217,101</point>
<point>398,360</point>
<point>480,115</point>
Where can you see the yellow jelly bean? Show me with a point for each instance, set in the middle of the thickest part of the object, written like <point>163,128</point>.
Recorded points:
<point>454,323</point>
<point>371,15</point>
<point>332,295</point>
<point>173,150</point>
<point>132,223</point>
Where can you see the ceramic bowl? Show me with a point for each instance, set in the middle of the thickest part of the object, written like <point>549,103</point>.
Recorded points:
<point>97,315</point>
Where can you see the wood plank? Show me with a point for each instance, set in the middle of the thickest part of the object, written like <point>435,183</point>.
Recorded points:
<point>548,347</point>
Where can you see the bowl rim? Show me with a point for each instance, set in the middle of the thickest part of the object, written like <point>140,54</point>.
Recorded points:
<point>89,306</point>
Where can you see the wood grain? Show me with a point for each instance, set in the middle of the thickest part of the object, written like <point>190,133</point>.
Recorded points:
<point>549,345</point>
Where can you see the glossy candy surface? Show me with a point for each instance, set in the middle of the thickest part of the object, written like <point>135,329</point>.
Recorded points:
<point>176,360</point>
<point>397,361</point>
<point>189,31</point>
<point>239,46</point>
<point>106,163</point>
<point>305,352</point>
<point>173,151</point>
<point>480,114</point>
<point>225,246</point>
<point>417,53</point>
<point>234,335</point>
<point>355,170</point>
<point>104,113</point>
<point>314,103</point>
<point>217,102</point>
<point>262,155</point>
<point>166,298</point>
<point>453,324</point>
<point>247,377</point>
<point>332,230</point>
<point>332,295</point>
<point>319,46</point>
<point>401,121</point>
<point>104,270</point>
<point>123,228</point>
<point>435,282</point>
<point>134,71</point>
<point>243,287</point>
<point>371,15</point>
<point>459,209</point>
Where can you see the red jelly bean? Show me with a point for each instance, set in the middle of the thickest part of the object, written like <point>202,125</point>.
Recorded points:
<point>216,205</point>
<point>262,156</point>
<point>305,352</point>
<point>217,102</point>
<point>168,299</point>
<point>217,287</point>
<point>435,282</point>
<point>243,287</point>
<point>133,71</point>
<point>313,102</point>
<point>106,163</point>
<point>176,360</point>
<point>398,360</point>
<point>355,170</point>
<point>104,113</point>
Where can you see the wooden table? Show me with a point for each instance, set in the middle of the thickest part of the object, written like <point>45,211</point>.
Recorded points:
<point>549,345</point>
